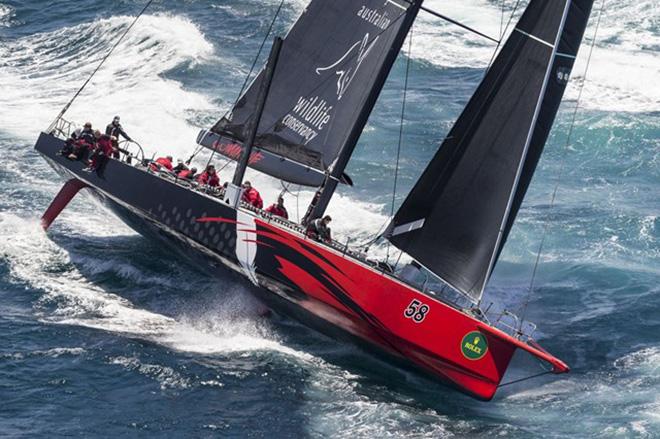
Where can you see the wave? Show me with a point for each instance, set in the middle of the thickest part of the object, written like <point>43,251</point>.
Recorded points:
<point>625,391</point>
<point>68,298</point>
<point>39,74</point>
<point>6,15</point>
<point>625,60</point>
<point>50,353</point>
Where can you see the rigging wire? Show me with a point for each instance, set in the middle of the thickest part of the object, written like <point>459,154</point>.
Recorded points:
<point>105,58</point>
<point>459,24</point>
<point>503,32</point>
<point>398,149</point>
<point>287,190</point>
<point>503,3</point>
<point>561,169</point>
<point>526,378</point>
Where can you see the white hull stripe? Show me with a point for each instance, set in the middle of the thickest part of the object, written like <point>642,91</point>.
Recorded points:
<point>246,248</point>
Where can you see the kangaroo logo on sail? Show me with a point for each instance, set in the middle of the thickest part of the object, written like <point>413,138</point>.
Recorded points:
<point>310,115</point>
<point>345,73</point>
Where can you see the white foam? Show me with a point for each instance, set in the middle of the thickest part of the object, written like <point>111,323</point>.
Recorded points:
<point>35,260</point>
<point>338,408</point>
<point>6,15</point>
<point>52,353</point>
<point>39,73</point>
<point>445,44</point>
<point>625,391</point>
<point>167,377</point>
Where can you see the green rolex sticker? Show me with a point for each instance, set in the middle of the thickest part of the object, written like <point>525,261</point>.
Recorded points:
<point>474,346</point>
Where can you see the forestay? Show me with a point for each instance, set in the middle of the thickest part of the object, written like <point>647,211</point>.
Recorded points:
<point>457,217</point>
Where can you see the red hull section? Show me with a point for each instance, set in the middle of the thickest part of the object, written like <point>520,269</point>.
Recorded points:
<point>63,198</point>
<point>436,337</point>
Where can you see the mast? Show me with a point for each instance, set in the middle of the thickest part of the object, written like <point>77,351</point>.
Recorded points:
<point>234,189</point>
<point>325,193</point>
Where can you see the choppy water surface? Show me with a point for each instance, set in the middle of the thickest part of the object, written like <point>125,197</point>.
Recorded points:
<point>105,333</point>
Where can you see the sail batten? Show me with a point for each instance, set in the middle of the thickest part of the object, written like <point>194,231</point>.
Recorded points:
<point>471,191</point>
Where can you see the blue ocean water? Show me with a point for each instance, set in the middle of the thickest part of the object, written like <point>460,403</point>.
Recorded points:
<point>105,333</point>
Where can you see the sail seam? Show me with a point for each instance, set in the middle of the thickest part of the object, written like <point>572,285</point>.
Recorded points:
<point>540,40</point>
<point>528,141</point>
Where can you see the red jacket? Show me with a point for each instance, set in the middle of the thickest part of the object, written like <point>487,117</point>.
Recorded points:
<point>251,196</point>
<point>186,174</point>
<point>208,179</point>
<point>162,162</point>
<point>278,211</point>
<point>104,145</point>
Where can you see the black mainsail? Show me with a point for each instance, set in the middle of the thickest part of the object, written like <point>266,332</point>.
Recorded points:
<point>458,216</point>
<point>333,63</point>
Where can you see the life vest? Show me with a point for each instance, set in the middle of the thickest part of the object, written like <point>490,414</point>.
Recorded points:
<point>278,211</point>
<point>253,197</point>
<point>104,145</point>
<point>210,180</point>
<point>186,174</point>
<point>160,163</point>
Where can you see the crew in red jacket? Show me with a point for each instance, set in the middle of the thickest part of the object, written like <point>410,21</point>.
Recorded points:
<point>278,209</point>
<point>162,163</point>
<point>209,177</point>
<point>251,196</point>
<point>187,174</point>
<point>103,151</point>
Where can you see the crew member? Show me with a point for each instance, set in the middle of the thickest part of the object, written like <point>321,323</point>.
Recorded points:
<point>87,135</point>
<point>278,209</point>
<point>81,141</point>
<point>187,174</point>
<point>71,144</point>
<point>251,196</point>
<point>180,166</point>
<point>104,150</point>
<point>209,177</point>
<point>319,230</point>
<point>115,129</point>
<point>162,163</point>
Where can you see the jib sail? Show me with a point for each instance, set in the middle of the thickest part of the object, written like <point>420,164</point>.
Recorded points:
<point>330,65</point>
<point>457,217</point>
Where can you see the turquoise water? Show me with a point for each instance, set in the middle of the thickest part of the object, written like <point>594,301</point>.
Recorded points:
<point>105,333</point>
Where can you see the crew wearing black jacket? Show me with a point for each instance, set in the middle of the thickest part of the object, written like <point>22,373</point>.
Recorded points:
<point>114,129</point>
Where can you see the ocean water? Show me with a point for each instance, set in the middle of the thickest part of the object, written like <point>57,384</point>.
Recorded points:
<point>104,333</point>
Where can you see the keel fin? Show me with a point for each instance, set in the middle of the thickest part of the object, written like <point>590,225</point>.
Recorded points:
<point>66,194</point>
